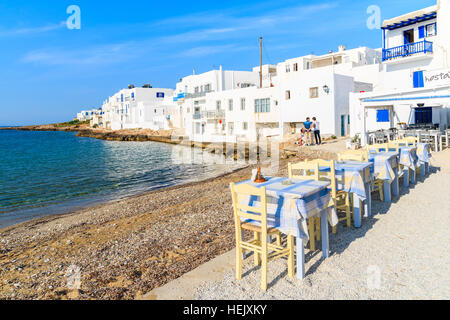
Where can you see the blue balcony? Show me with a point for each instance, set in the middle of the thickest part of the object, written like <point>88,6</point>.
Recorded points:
<point>408,50</point>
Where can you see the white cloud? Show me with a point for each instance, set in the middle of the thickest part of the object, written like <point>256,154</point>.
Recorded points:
<point>31,30</point>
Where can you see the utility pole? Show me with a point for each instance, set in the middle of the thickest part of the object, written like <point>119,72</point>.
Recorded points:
<point>259,176</point>
<point>260,63</point>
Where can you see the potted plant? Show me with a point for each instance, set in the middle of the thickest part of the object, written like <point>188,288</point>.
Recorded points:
<point>354,143</point>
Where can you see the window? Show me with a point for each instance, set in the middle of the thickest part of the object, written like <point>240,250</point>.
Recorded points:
<point>295,66</point>
<point>218,105</point>
<point>208,88</point>
<point>230,105</point>
<point>230,128</point>
<point>242,104</point>
<point>383,116</point>
<point>288,95</point>
<point>196,90</point>
<point>262,105</point>
<point>288,68</point>
<point>245,126</point>
<point>431,30</point>
<point>314,92</point>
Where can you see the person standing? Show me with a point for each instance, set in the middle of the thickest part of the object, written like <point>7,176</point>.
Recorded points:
<point>316,128</point>
<point>308,130</point>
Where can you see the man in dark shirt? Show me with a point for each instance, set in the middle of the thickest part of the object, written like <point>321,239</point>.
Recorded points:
<point>308,130</point>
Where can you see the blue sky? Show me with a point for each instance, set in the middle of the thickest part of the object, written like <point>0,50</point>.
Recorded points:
<point>48,72</point>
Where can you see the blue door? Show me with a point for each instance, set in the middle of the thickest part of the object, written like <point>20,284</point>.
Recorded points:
<point>424,115</point>
<point>343,122</point>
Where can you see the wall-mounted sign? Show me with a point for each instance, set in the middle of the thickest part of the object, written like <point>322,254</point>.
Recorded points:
<point>160,95</point>
<point>436,78</point>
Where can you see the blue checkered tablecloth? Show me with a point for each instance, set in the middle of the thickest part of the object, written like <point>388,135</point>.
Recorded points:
<point>353,176</point>
<point>289,206</point>
<point>408,157</point>
<point>424,152</point>
<point>384,165</point>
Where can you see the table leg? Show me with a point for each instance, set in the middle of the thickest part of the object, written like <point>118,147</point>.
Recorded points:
<point>357,210</point>
<point>406,177</point>
<point>395,184</point>
<point>368,201</point>
<point>436,145</point>
<point>324,231</point>
<point>422,169</point>
<point>300,258</point>
<point>413,176</point>
<point>387,192</point>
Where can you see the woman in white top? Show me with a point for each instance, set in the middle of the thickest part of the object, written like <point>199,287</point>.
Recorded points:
<point>316,126</point>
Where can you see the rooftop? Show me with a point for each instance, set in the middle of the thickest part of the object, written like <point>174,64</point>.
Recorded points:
<point>411,18</point>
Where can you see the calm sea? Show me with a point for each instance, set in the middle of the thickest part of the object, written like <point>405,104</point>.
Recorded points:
<point>45,173</point>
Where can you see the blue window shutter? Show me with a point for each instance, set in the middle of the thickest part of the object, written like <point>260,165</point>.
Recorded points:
<point>415,80</point>
<point>421,32</point>
<point>418,79</point>
<point>420,76</point>
<point>382,115</point>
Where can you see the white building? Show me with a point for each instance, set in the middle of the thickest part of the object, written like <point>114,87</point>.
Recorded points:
<point>202,108</point>
<point>230,105</point>
<point>143,108</point>
<point>413,85</point>
<point>86,115</point>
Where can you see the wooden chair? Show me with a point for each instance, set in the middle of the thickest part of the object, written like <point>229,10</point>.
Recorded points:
<point>350,156</point>
<point>341,199</point>
<point>382,147</point>
<point>394,147</point>
<point>378,184</point>
<point>260,246</point>
<point>310,171</point>
<point>354,155</point>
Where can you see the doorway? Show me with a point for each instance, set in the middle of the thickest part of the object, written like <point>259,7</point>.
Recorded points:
<point>343,125</point>
<point>408,36</point>
<point>424,115</point>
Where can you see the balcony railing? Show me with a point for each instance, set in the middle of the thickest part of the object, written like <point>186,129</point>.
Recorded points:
<point>218,114</point>
<point>407,50</point>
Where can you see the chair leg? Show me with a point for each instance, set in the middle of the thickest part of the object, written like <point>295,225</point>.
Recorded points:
<point>256,257</point>
<point>380,190</point>
<point>278,236</point>
<point>238,262</point>
<point>291,257</point>
<point>318,234</point>
<point>348,210</point>
<point>312,237</point>
<point>264,263</point>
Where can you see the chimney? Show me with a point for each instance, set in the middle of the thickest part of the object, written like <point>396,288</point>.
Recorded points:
<point>342,48</point>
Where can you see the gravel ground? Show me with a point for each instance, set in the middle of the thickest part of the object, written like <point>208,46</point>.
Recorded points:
<point>400,253</point>
<point>122,249</point>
